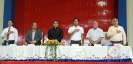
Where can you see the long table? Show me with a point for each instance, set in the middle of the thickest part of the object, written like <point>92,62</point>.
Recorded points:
<point>66,53</point>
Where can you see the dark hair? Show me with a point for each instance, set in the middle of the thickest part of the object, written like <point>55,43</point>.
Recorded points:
<point>10,20</point>
<point>33,23</point>
<point>55,21</point>
<point>76,18</point>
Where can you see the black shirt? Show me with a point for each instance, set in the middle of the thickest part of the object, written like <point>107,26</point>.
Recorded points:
<point>55,33</point>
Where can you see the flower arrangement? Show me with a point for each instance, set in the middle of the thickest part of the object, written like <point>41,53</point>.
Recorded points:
<point>52,46</point>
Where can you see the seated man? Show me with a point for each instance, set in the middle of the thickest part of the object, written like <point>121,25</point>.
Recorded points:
<point>105,41</point>
<point>55,33</point>
<point>34,36</point>
<point>95,34</point>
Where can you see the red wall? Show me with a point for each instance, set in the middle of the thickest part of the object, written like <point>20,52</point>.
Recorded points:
<point>44,12</point>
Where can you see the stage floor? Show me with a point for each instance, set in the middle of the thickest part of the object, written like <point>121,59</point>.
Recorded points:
<point>27,62</point>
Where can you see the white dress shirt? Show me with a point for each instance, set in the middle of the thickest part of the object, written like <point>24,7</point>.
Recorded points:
<point>33,35</point>
<point>95,34</point>
<point>77,35</point>
<point>116,36</point>
<point>12,36</point>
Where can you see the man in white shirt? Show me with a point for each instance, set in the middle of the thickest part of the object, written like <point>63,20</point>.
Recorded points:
<point>116,33</point>
<point>10,34</point>
<point>95,34</point>
<point>76,33</point>
<point>105,41</point>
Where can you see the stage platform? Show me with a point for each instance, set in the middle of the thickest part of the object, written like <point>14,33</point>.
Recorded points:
<point>27,62</point>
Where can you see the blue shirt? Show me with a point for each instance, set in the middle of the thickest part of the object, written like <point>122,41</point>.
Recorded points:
<point>95,34</point>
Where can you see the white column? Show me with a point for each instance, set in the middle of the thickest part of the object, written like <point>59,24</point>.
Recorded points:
<point>1,17</point>
<point>130,22</point>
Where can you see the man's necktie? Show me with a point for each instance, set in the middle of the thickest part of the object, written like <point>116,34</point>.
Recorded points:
<point>7,37</point>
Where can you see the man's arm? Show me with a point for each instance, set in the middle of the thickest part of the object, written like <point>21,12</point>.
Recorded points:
<point>101,36</point>
<point>61,35</point>
<point>99,40</point>
<point>82,36</point>
<point>91,41</point>
<point>89,36</point>
<point>39,36</point>
<point>16,36</point>
<point>111,32</point>
<point>3,34</point>
<point>27,38</point>
<point>71,33</point>
<point>49,35</point>
<point>123,36</point>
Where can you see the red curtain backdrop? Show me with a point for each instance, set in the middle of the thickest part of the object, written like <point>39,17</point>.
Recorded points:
<point>44,12</point>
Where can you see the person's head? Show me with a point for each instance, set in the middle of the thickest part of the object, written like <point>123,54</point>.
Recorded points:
<point>55,23</point>
<point>76,21</point>
<point>106,37</point>
<point>115,22</point>
<point>34,25</point>
<point>10,23</point>
<point>95,24</point>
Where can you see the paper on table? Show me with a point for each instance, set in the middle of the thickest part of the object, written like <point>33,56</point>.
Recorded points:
<point>12,45</point>
<point>31,44</point>
<point>75,44</point>
<point>118,45</point>
<point>97,44</point>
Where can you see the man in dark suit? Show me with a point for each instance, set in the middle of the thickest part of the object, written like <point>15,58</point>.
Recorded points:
<point>34,36</point>
<point>55,33</point>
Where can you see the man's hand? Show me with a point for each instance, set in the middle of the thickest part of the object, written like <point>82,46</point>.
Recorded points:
<point>10,32</point>
<point>32,42</point>
<point>82,44</point>
<point>124,44</point>
<point>95,42</point>
<point>70,34</point>
<point>76,30</point>
<point>118,31</point>
<point>92,42</point>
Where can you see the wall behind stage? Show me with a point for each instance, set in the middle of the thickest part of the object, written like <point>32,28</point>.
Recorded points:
<point>1,17</point>
<point>130,22</point>
<point>44,12</point>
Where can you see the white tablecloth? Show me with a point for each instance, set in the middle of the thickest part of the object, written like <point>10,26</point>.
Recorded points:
<point>65,52</point>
